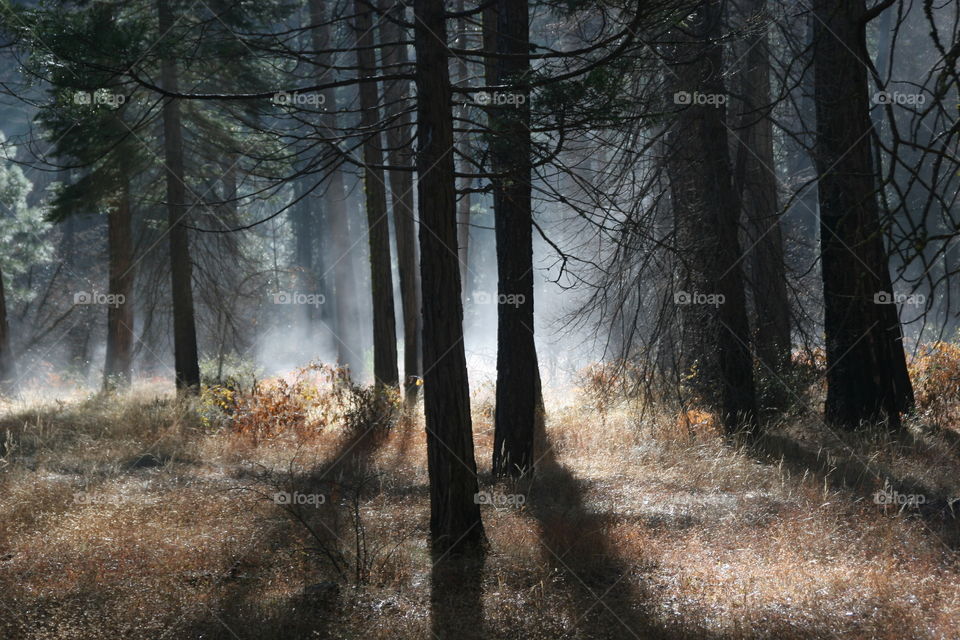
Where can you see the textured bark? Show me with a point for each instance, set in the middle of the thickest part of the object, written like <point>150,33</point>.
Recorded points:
<point>715,337</point>
<point>399,141</point>
<point>463,204</point>
<point>120,336</point>
<point>8,369</point>
<point>347,321</point>
<point>866,368</point>
<point>513,221</point>
<point>186,364</point>
<point>455,523</point>
<point>375,189</point>
<point>756,175</point>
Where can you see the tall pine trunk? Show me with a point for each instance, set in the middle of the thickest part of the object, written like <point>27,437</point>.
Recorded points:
<point>509,125</point>
<point>375,189</point>
<point>347,320</point>
<point>8,368</point>
<point>714,329</point>
<point>757,182</point>
<point>120,336</point>
<point>455,523</point>
<point>399,140</point>
<point>866,368</point>
<point>186,363</point>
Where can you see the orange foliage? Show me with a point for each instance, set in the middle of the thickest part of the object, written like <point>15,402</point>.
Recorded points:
<point>699,424</point>
<point>935,374</point>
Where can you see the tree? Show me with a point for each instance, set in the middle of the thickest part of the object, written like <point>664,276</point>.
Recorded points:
<point>866,368</point>
<point>706,212</point>
<point>399,138</point>
<point>510,148</point>
<point>375,189</point>
<point>186,362</point>
<point>455,523</point>
<point>756,181</point>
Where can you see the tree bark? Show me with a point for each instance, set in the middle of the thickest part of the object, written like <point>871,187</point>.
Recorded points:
<point>399,139</point>
<point>866,368</point>
<point>186,363</point>
<point>347,319</point>
<point>120,335</point>
<point>757,181</point>
<point>455,523</point>
<point>715,331</point>
<point>8,367</point>
<point>513,222</point>
<point>375,189</point>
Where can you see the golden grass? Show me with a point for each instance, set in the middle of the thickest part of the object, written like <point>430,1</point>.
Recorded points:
<point>131,517</point>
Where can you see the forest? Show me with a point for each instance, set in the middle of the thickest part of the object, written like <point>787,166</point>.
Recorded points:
<point>479,319</point>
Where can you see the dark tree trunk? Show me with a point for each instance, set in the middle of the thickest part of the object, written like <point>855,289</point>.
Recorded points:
<point>347,320</point>
<point>186,363</point>
<point>8,368</point>
<point>866,367</point>
<point>399,140</point>
<point>463,204</point>
<point>513,221</point>
<point>120,336</point>
<point>455,523</point>
<point>715,331</point>
<point>375,188</point>
<point>757,181</point>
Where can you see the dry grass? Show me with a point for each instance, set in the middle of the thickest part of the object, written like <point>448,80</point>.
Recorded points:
<point>138,517</point>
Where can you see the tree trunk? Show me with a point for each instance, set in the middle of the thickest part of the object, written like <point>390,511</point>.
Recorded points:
<point>455,523</point>
<point>347,321</point>
<point>120,336</point>
<point>375,188</point>
<point>715,329</point>
<point>866,367</point>
<point>186,363</point>
<point>8,368</point>
<point>399,139</point>
<point>757,181</point>
<point>463,204</point>
<point>513,222</point>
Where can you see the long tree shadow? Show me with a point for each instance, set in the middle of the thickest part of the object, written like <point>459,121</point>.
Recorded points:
<point>842,468</point>
<point>609,604</point>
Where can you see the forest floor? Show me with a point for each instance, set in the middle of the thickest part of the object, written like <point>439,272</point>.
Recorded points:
<point>134,517</point>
